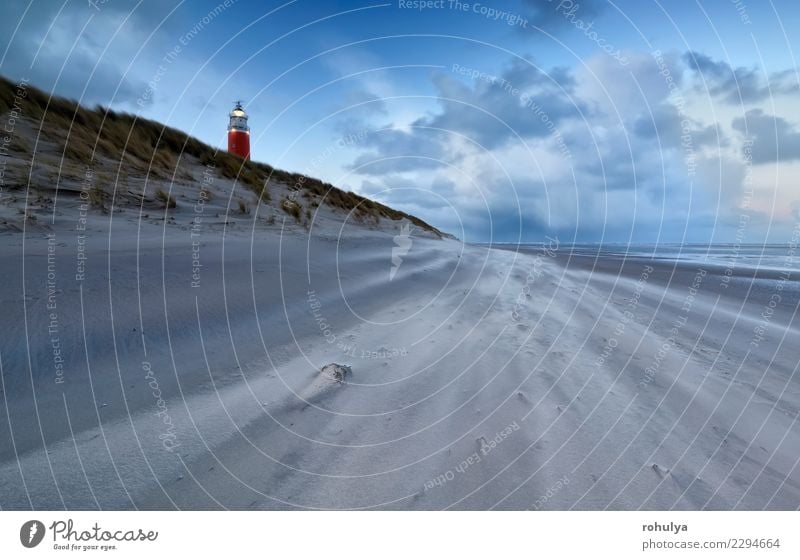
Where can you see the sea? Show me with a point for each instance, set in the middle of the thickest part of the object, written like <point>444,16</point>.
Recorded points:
<point>773,257</point>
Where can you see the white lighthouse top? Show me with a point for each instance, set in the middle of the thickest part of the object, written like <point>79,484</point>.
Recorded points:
<point>238,118</point>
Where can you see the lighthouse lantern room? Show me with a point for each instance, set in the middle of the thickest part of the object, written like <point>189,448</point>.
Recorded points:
<point>239,132</point>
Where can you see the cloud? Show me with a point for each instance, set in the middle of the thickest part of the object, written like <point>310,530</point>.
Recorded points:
<point>625,171</point>
<point>627,176</point>
<point>92,67</point>
<point>737,85</point>
<point>395,151</point>
<point>401,191</point>
<point>773,138</point>
<point>621,92</point>
<point>523,101</point>
<point>670,128</point>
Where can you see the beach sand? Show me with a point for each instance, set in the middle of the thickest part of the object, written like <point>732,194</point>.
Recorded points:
<point>480,378</point>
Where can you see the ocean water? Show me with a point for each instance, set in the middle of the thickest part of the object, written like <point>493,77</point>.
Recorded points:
<point>750,256</point>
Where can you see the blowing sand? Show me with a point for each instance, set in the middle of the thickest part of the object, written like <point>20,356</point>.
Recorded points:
<point>146,368</point>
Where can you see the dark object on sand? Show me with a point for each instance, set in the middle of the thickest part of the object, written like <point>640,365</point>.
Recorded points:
<point>337,372</point>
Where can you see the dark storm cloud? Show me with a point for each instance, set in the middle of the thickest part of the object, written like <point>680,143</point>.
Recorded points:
<point>740,84</point>
<point>505,221</point>
<point>669,127</point>
<point>396,151</point>
<point>637,157</point>
<point>523,102</point>
<point>614,171</point>
<point>773,138</point>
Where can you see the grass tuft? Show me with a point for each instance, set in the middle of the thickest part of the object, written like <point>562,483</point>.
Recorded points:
<point>166,199</point>
<point>96,196</point>
<point>292,208</point>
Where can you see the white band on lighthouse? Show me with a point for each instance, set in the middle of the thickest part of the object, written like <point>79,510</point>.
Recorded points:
<point>238,132</point>
<point>238,118</point>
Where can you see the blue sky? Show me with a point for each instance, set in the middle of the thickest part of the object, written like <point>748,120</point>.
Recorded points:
<point>598,121</point>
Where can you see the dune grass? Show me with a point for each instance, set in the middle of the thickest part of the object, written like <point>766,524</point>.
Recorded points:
<point>292,208</point>
<point>85,135</point>
<point>166,199</point>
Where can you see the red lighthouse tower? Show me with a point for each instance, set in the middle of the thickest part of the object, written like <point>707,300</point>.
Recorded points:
<point>239,132</point>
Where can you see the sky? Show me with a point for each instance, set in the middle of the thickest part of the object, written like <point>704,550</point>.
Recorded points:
<point>591,121</point>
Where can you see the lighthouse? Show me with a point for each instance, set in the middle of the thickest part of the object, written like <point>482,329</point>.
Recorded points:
<point>239,132</point>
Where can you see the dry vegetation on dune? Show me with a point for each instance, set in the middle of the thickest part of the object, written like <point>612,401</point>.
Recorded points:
<point>166,199</point>
<point>291,208</point>
<point>149,149</point>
